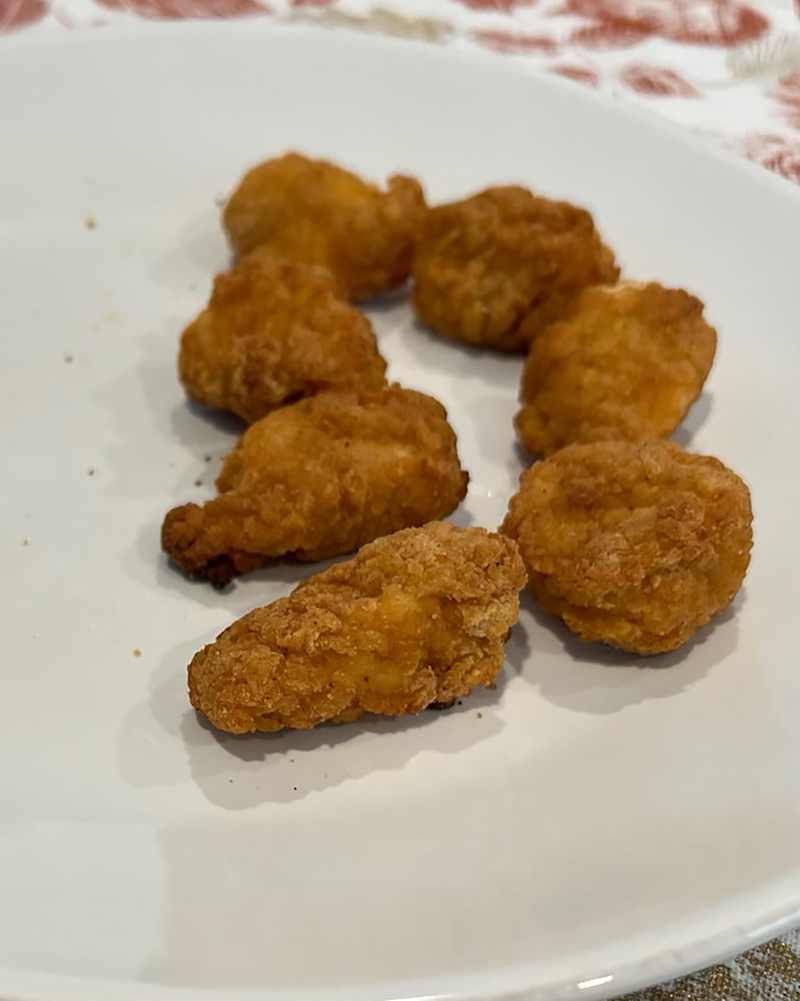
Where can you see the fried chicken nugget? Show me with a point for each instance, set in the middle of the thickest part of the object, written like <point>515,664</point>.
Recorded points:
<point>634,545</point>
<point>416,618</point>
<point>625,363</point>
<point>314,212</point>
<point>496,268</point>
<point>273,332</point>
<point>320,478</point>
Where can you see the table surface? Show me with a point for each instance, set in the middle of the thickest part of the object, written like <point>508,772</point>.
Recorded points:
<point>728,70</point>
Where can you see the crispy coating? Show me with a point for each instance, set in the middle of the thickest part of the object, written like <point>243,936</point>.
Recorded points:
<point>320,478</point>
<point>274,332</point>
<point>314,212</point>
<point>496,268</point>
<point>416,618</point>
<point>634,545</point>
<point>625,363</point>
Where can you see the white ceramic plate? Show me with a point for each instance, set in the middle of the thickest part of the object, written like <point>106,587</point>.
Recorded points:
<point>594,824</point>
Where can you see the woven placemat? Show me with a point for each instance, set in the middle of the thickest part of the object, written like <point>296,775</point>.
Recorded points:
<point>769,973</point>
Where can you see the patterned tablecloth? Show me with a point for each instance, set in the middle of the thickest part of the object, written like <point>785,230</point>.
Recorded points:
<point>727,69</point>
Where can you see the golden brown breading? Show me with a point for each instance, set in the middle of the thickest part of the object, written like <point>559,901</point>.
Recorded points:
<point>418,617</point>
<point>634,545</point>
<point>496,268</point>
<point>314,212</point>
<point>321,478</point>
<point>273,332</point>
<point>626,362</point>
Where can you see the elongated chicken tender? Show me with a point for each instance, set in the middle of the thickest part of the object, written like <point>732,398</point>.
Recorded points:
<point>273,332</point>
<point>495,269</point>
<point>634,545</point>
<point>626,362</point>
<point>321,478</point>
<point>314,212</point>
<point>416,618</point>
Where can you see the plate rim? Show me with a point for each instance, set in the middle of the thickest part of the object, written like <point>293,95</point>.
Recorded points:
<point>275,24</point>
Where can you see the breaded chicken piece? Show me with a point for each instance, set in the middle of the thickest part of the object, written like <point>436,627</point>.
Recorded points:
<point>320,478</point>
<point>625,363</point>
<point>416,618</point>
<point>314,212</point>
<point>634,545</point>
<point>495,269</point>
<point>273,332</point>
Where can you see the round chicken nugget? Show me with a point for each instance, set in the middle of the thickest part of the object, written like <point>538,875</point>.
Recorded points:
<point>317,213</point>
<point>274,332</point>
<point>496,268</point>
<point>626,362</point>
<point>634,545</point>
